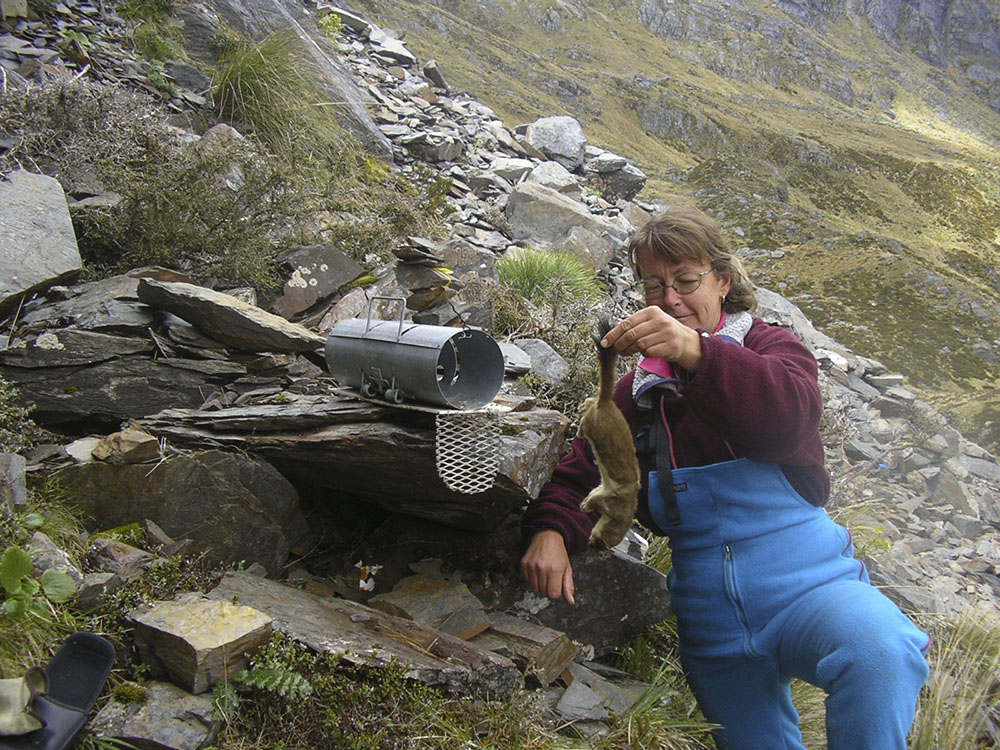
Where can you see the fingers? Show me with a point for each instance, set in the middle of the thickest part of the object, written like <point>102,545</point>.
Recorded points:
<point>568,589</point>
<point>546,566</point>
<point>650,332</point>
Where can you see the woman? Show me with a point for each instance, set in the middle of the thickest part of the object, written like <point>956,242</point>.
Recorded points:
<point>726,411</point>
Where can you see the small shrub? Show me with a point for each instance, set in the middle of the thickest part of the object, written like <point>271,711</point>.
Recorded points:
<point>17,431</point>
<point>223,208</point>
<point>330,24</point>
<point>73,125</point>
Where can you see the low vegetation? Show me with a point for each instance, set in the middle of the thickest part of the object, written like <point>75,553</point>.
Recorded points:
<point>223,206</point>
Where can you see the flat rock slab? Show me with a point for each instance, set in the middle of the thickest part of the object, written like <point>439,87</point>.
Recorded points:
<point>231,506</point>
<point>169,718</point>
<point>388,463</point>
<point>617,597</point>
<point>365,636</point>
<point>228,319</point>
<point>114,390</point>
<point>37,242</point>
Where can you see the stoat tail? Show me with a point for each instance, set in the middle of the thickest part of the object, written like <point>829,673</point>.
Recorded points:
<point>608,357</point>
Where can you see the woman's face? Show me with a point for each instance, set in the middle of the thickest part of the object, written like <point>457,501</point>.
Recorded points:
<point>701,308</point>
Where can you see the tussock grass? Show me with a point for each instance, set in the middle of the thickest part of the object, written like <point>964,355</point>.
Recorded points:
<point>541,276</point>
<point>267,87</point>
<point>960,704</point>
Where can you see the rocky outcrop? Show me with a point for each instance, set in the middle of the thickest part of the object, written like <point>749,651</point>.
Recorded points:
<point>964,35</point>
<point>243,407</point>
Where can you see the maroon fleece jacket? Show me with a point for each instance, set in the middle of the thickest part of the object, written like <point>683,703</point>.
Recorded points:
<point>761,398</point>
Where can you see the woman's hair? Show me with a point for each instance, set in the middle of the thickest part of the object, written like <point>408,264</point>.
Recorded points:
<point>687,234</point>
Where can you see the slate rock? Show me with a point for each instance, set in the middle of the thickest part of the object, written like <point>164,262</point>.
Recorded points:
<point>37,242</point>
<point>232,506</point>
<point>196,641</point>
<point>367,637</point>
<point>110,392</point>
<point>549,220</point>
<point>560,138</point>
<point>317,273</point>
<point>13,490</point>
<point>545,361</point>
<point>169,718</point>
<point>228,319</point>
<point>617,597</point>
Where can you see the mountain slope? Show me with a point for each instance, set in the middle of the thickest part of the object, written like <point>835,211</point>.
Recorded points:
<point>849,149</point>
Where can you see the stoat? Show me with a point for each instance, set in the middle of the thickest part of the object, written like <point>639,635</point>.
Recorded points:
<point>604,427</point>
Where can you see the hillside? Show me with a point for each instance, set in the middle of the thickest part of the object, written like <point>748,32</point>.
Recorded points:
<point>852,157</point>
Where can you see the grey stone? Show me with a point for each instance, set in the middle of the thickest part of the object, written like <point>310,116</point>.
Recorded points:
<point>113,391</point>
<point>47,556</point>
<point>560,138</point>
<point>580,702</point>
<point>317,273</point>
<point>228,319</point>
<point>511,169</point>
<point>554,175</point>
<point>545,361</point>
<point>169,718</point>
<point>616,597</point>
<point>516,361</point>
<point>988,470</point>
<point>547,219</point>
<point>37,242</point>
<point>254,514</point>
<point>95,589</point>
<point>12,482</point>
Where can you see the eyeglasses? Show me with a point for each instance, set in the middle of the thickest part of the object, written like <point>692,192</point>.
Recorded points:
<point>686,283</point>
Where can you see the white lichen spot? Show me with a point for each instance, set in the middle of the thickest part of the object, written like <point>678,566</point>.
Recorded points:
<point>313,282</point>
<point>49,340</point>
<point>306,271</point>
<point>296,280</point>
<point>324,267</point>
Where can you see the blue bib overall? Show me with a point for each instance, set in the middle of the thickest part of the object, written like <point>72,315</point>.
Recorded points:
<point>766,588</point>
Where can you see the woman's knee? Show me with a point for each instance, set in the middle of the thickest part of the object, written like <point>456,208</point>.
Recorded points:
<point>882,658</point>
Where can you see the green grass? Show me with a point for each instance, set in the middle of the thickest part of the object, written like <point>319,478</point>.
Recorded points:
<point>541,276</point>
<point>961,701</point>
<point>268,87</point>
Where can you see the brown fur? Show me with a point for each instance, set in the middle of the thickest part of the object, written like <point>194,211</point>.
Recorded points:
<point>604,427</point>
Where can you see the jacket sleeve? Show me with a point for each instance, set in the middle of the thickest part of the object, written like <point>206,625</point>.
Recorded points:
<point>762,397</point>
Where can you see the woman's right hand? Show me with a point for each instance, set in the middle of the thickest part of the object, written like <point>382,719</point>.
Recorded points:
<point>546,566</point>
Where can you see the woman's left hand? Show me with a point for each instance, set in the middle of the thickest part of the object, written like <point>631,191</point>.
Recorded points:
<point>653,333</point>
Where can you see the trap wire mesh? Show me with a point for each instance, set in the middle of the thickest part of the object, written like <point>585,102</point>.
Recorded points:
<point>467,449</point>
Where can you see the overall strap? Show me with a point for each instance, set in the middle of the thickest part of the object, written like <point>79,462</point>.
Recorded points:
<point>655,439</point>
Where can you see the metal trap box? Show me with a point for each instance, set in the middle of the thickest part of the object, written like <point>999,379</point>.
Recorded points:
<point>398,361</point>
<point>451,372</point>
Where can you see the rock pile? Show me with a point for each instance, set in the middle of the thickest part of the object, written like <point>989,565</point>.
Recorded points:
<point>200,373</point>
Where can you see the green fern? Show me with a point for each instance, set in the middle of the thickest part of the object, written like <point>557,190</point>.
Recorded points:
<point>284,683</point>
